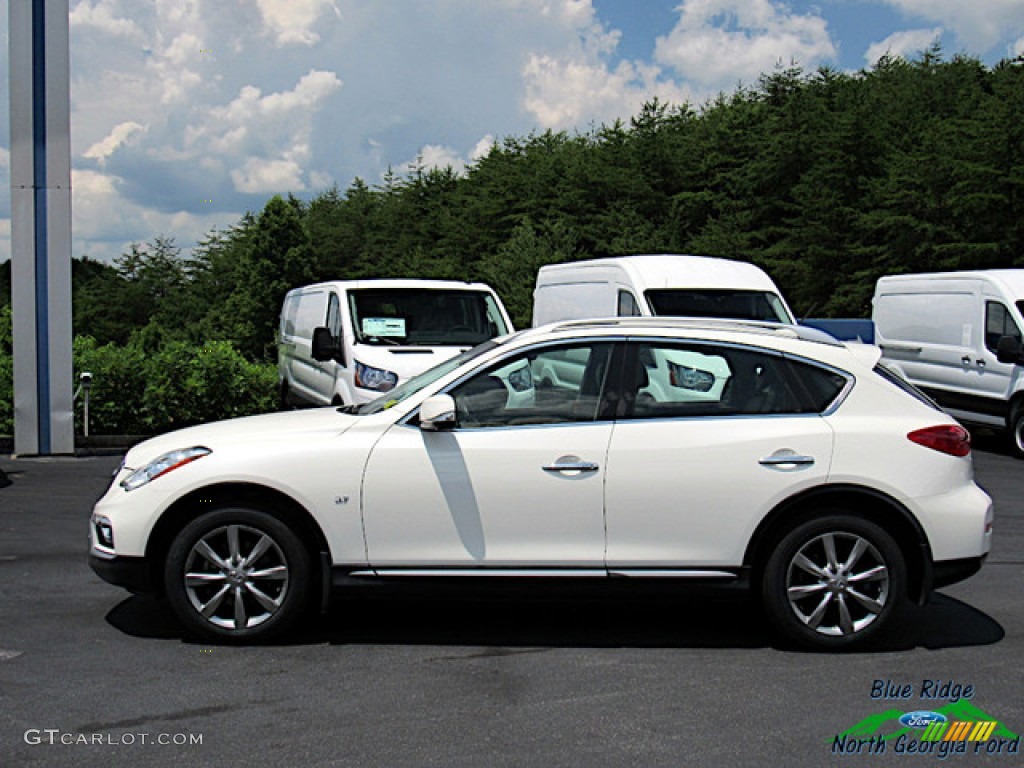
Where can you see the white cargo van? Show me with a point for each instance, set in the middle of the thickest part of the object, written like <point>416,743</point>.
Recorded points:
<point>348,342</point>
<point>957,336</point>
<point>678,285</point>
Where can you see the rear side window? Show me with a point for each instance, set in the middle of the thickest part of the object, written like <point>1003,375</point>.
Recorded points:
<point>670,381</point>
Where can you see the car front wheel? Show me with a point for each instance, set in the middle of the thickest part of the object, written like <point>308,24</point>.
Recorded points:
<point>237,574</point>
<point>834,582</point>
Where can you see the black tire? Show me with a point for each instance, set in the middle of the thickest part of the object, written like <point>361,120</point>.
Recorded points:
<point>237,575</point>
<point>283,403</point>
<point>834,582</point>
<point>1016,425</point>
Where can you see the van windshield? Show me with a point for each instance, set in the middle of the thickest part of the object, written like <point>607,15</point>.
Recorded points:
<point>427,317</point>
<point>724,303</point>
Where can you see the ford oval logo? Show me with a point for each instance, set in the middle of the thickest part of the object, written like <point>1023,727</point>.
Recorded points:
<point>922,719</point>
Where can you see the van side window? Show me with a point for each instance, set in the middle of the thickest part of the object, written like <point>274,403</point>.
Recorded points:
<point>627,305</point>
<point>998,323</point>
<point>291,309</point>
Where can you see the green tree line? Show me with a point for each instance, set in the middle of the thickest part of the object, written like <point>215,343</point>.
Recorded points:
<point>825,179</point>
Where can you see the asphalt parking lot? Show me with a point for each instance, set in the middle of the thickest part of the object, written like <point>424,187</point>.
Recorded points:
<point>91,676</point>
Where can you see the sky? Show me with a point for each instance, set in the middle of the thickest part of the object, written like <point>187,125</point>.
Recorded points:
<point>185,114</point>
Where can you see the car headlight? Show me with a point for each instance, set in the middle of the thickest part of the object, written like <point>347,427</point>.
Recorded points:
<point>376,379</point>
<point>162,465</point>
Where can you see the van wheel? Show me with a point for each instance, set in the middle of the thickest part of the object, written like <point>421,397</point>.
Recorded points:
<point>1017,430</point>
<point>834,582</point>
<point>282,398</point>
<point>237,574</point>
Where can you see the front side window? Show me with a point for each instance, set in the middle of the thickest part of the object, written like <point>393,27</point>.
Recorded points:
<point>680,380</point>
<point>998,323</point>
<point>551,385</point>
<point>721,303</point>
<point>424,317</point>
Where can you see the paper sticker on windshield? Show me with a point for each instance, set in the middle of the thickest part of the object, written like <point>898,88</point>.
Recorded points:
<point>690,378</point>
<point>384,326</point>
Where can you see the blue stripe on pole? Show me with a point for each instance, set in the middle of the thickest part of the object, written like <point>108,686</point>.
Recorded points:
<point>41,246</point>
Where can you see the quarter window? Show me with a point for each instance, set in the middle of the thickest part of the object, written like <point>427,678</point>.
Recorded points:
<point>552,385</point>
<point>627,305</point>
<point>334,316</point>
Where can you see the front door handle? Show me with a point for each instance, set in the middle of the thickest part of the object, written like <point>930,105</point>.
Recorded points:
<point>570,464</point>
<point>786,461</point>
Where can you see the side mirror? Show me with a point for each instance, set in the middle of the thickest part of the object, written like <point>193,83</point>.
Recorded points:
<point>438,413</point>
<point>1009,351</point>
<point>326,347</point>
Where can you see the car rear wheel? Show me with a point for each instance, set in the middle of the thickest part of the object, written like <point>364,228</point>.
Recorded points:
<point>237,574</point>
<point>834,582</point>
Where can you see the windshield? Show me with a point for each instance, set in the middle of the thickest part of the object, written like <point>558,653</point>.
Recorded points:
<point>425,379</point>
<point>724,303</point>
<point>424,317</point>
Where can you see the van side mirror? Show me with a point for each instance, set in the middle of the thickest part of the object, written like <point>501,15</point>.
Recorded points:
<point>1009,351</point>
<point>437,413</point>
<point>326,347</point>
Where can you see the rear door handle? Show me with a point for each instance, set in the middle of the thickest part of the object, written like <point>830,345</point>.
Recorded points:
<point>786,461</point>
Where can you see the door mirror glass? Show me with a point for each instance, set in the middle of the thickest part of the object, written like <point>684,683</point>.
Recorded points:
<point>1009,351</point>
<point>325,345</point>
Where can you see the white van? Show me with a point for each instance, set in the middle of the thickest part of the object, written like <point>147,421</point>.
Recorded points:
<point>678,285</point>
<point>347,342</point>
<point>957,336</point>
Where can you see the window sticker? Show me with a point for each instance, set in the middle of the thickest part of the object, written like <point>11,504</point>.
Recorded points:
<point>384,326</point>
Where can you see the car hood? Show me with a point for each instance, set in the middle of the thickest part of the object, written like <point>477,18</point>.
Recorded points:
<point>271,427</point>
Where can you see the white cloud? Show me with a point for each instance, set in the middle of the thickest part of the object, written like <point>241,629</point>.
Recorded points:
<point>1017,48</point>
<point>260,176</point>
<point>906,44</point>
<point>121,133</point>
<point>292,21</point>
<point>101,15</point>
<point>717,43</point>
<point>978,24</point>
<point>104,222</point>
<point>564,93</point>
<point>482,148</point>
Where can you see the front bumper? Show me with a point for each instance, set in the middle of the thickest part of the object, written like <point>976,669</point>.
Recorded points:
<point>130,573</point>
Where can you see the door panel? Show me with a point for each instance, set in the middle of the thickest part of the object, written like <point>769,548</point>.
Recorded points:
<point>689,492</point>
<point>519,483</point>
<point>713,437</point>
<point>484,498</point>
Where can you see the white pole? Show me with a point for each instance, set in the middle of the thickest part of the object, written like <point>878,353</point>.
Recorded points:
<point>41,227</point>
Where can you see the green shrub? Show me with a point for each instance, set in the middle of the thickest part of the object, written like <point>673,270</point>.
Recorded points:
<point>178,385</point>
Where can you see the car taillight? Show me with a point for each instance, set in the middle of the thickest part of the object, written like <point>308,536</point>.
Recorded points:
<point>945,438</point>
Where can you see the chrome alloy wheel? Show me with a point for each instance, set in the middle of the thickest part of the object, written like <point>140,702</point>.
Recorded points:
<point>236,577</point>
<point>837,584</point>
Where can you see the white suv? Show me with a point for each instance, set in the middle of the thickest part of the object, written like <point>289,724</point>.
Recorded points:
<point>624,452</point>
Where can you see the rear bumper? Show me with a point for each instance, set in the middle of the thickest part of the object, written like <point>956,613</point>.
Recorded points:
<point>946,572</point>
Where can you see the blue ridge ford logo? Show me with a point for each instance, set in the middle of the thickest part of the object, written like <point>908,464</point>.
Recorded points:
<point>922,719</point>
